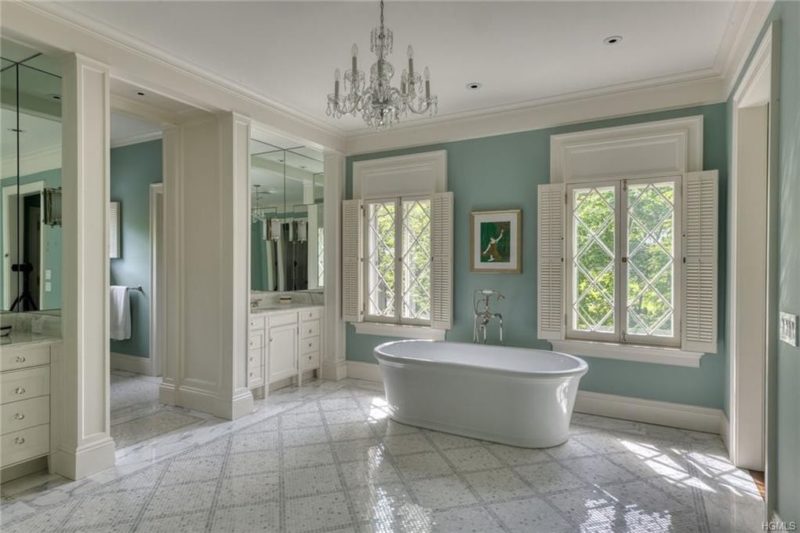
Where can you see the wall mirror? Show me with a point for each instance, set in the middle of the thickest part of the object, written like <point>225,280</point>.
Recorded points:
<point>287,234</point>
<point>30,207</point>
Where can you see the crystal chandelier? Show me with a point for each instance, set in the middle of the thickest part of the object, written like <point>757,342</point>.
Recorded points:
<point>379,103</point>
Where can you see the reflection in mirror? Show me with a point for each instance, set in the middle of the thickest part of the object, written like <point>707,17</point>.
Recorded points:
<point>30,278</point>
<point>287,235</point>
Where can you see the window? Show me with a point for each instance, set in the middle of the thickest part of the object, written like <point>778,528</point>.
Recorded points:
<point>398,260</point>
<point>621,261</point>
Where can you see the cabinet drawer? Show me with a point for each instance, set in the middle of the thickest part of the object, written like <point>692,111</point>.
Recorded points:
<point>309,360</point>
<point>254,374</point>
<point>311,314</point>
<point>24,384</point>
<point>255,358</point>
<point>15,416</point>
<point>255,340</point>
<point>310,344</point>
<point>257,322</point>
<point>13,359</point>
<point>309,328</point>
<point>281,319</point>
<point>25,444</point>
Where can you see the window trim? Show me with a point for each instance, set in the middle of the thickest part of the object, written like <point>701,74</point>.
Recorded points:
<point>397,319</point>
<point>620,336</point>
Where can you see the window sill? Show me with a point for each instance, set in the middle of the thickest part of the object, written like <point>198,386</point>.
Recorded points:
<point>397,330</point>
<point>630,352</point>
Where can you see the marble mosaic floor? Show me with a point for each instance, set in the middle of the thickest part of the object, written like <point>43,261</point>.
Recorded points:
<point>327,458</point>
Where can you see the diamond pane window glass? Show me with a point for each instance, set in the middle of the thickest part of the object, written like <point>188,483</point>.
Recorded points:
<point>651,252</point>
<point>593,259</point>
<point>381,259</point>
<point>416,259</point>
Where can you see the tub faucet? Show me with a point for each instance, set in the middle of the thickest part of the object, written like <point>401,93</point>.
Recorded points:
<point>481,303</point>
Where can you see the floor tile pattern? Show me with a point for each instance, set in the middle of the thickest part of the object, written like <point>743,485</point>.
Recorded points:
<point>327,458</point>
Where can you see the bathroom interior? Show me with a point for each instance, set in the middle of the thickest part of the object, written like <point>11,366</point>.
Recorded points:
<point>573,313</point>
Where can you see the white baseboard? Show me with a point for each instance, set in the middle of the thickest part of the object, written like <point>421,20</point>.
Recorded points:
<point>675,415</point>
<point>85,460</point>
<point>131,363</point>
<point>725,431</point>
<point>365,371</point>
<point>201,400</point>
<point>334,371</point>
<point>636,409</point>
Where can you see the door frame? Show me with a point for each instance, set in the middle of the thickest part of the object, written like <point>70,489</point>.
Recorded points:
<point>751,379</point>
<point>19,190</point>
<point>156,279</point>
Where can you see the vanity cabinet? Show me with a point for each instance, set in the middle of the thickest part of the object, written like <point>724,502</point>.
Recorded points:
<point>283,344</point>
<point>24,402</point>
<point>282,352</point>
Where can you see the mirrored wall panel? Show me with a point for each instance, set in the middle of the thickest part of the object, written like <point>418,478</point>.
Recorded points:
<point>287,234</point>
<point>30,208</point>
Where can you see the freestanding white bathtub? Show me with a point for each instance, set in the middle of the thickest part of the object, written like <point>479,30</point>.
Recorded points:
<point>516,396</point>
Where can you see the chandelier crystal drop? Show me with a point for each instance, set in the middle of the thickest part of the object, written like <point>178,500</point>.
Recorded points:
<point>380,104</point>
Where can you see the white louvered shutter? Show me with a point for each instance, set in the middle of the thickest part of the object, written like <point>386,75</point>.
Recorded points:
<point>700,235</point>
<point>352,267</point>
<point>442,262</point>
<point>550,297</point>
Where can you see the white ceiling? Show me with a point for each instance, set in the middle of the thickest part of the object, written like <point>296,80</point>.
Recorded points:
<point>520,51</point>
<point>127,129</point>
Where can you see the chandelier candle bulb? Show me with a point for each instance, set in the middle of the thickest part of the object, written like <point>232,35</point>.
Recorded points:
<point>427,76</point>
<point>337,76</point>
<point>355,60</point>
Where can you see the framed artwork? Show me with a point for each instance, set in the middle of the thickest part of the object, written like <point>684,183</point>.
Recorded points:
<point>496,241</point>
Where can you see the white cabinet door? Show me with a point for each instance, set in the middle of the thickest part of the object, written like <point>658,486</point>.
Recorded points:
<point>282,352</point>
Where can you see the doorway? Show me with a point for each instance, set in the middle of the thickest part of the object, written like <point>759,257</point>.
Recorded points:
<point>752,260</point>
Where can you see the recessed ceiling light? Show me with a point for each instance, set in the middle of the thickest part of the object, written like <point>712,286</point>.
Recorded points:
<point>140,93</point>
<point>473,86</point>
<point>612,39</point>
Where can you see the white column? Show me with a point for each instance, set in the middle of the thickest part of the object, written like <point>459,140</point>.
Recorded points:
<point>236,245</point>
<point>81,441</point>
<point>207,226</point>
<point>333,365</point>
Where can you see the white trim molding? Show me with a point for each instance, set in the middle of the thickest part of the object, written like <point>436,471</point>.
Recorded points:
<point>630,352</point>
<point>676,415</point>
<point>137,139</point>
<point>660,148</point>
<point>422,173</point>
<point>399,330</point>
<point>131,363</point>
<point>670,414</point>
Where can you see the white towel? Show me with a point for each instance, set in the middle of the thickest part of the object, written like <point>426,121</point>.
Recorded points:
<point>120,313</point>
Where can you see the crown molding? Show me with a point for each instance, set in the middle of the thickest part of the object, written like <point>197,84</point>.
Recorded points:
<point>745,25</point>
<point>137,139</point>
<point>54,26</point>
<point>610,102</point>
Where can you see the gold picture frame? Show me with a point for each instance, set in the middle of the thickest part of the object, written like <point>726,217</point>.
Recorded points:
<point>496,241</point>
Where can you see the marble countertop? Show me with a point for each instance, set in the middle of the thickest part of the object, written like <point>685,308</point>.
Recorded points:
<point>25,338</point>
<point>270,308</point>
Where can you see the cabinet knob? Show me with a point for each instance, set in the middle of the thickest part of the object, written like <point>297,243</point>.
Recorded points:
<point>19,390</point>
<point>19,416</point>
<point>19,440</point>
<point>309,331</point>
<point>21,359</point>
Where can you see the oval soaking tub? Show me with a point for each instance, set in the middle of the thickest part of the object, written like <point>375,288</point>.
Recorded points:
<point>516,396</point>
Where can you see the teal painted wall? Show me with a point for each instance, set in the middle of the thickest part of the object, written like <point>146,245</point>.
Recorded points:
<point>51,236</point>
<point>133,169</point>
<point>503,172</point>
<point>784,437</point>
<point>788,367</point>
